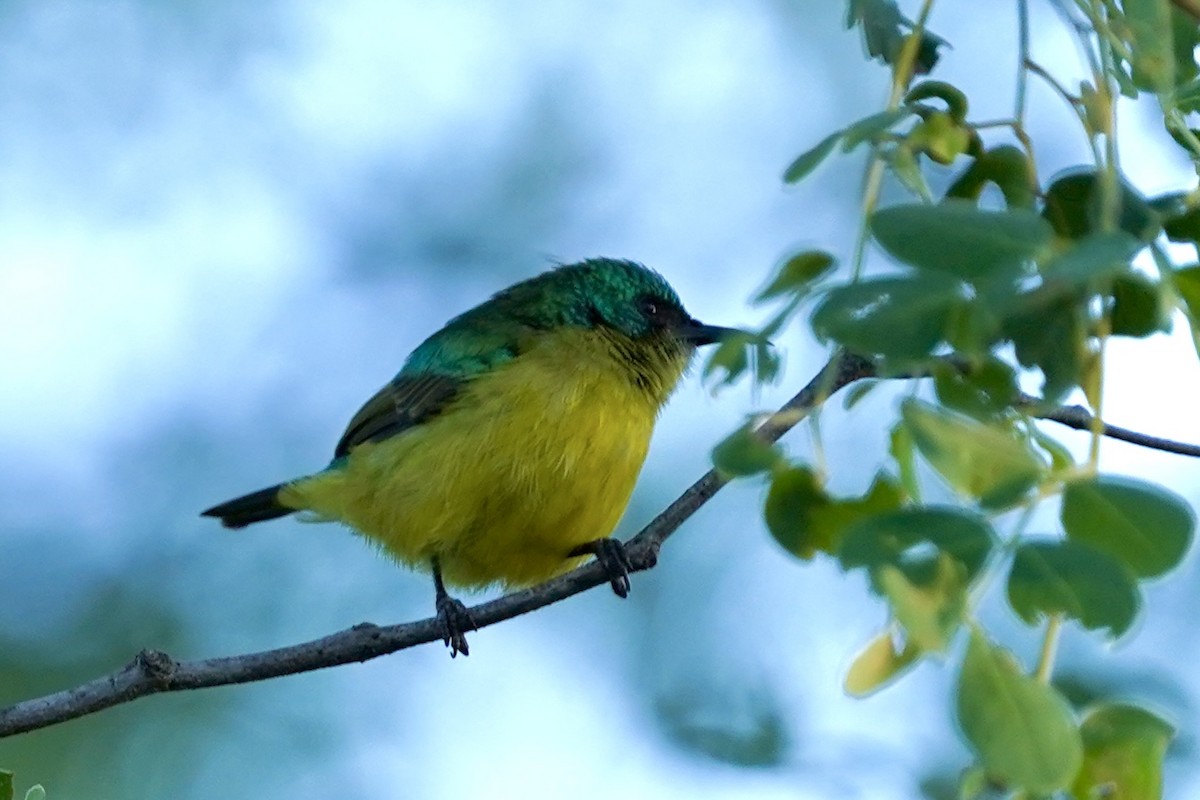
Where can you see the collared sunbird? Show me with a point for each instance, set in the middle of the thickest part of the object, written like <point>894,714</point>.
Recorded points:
<point>507,447</point>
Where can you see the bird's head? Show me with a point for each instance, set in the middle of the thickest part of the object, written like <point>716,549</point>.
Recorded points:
<point>621,297</point>
<point>640,324</point>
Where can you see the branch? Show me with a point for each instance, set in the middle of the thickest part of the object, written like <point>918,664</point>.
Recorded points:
<point>1080,419</point>
<point>153,672</point>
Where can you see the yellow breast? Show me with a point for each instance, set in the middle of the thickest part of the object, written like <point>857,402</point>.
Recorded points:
<point>532,459</point>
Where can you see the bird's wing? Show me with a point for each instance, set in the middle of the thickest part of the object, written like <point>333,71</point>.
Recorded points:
<point>468,346</point>
<point>403,403</point>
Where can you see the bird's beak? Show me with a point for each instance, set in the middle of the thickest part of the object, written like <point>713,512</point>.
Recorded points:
<point>696,332</point>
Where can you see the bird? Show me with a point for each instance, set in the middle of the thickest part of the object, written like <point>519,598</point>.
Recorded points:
<point>505,450</point>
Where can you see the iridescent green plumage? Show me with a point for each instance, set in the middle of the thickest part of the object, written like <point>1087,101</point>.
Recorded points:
<point>590,294</point>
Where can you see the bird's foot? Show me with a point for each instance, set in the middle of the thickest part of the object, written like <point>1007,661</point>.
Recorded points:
<point>455,621</point>
<point>612,556</point>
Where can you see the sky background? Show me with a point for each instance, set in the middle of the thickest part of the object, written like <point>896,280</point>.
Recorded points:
<point>223,225</point>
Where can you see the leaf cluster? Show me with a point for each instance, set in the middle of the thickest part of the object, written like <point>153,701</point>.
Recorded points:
<point>1002,278</point>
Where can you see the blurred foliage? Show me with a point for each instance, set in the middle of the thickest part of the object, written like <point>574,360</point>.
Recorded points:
<point>750,733</point>
<point>115,619</point>
<point>980,293</point>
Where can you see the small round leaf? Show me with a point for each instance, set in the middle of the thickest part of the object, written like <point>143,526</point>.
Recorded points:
<point>1075,579</point>
<point>957,238</point>
<point>1144,526</point>
<point>896,317</point>
<point>1123,751</point>
<point>1022,730</point>
<point>742,453</point>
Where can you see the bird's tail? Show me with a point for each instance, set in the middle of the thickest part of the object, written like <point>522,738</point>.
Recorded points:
<point>254,507</point>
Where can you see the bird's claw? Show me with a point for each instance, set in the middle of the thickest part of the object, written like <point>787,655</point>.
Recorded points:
<point>455,621</point>
<point>614,559</point>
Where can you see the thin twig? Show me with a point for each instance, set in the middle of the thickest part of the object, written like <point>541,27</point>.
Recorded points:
<point>1081,419</point>
<point>902,75</point>
<point>1045,665</point>
<point>1022,60</point>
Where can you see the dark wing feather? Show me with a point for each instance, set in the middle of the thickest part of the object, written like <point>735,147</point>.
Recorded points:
<point>470,345</point>
<point>403,403</point>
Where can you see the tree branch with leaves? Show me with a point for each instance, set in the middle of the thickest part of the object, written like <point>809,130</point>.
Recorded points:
<point>1001,277</point>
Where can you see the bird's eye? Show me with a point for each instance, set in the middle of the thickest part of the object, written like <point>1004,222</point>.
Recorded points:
<point>650,308</point>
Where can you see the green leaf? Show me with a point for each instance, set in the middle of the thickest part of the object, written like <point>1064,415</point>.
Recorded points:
<point>1138,309</point>
<point>6,785</point>
<point>1124,80</point>
<point>1187,96</point>
<point>1180,223</point>
<point>1094,257</point>
<point>932,611</point>
<point>872,126</point>
<point>1183,136</point>
<point>1097,108</point>
<point>900,446</point>
<point>1008,168</point>
<point>980,390</point>
<point>793,495</point>
<point>833,520</point>
<point>880,21</point>
<point>809,160</point>
<point>975,327</point>
<point>1123,751</point>
<point>898,317</point>
<point>858,391</point>
<point>1153,49</point>
<point>883,33</point>
<point>897,538</point>
<point>1061,459</point>
<point>1072,207</point>
<point>973,783</point>
<point>1187,284</point>
<point>805,520</point>
<point>1186,34</point>
<point>1075,579</point>
<point>743,453</point>
<point>765,361</point>
<point>878,664</point>
<point>731,357</point>
<point>1023,731</point>
<point>904,167</point>
<point>955,100</point>
<point>36,792</point>
<point>796,274</point>
<point>1049,331</point>
<point>927,53</point>
<point>980,460</point>
<point>957,238</point>
<point>1142,525</point>
<point>940,137</point>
